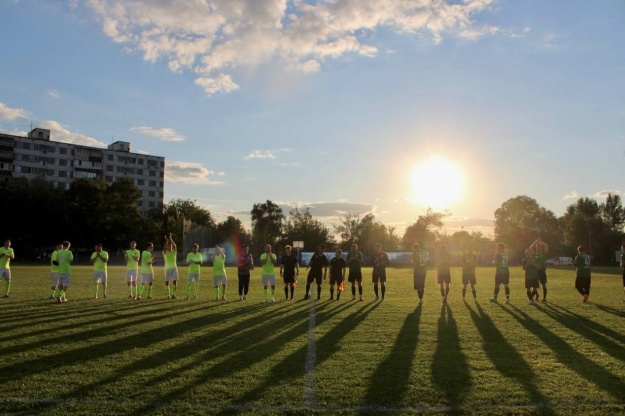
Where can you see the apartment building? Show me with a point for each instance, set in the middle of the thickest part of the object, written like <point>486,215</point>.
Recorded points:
<point>62,163</point>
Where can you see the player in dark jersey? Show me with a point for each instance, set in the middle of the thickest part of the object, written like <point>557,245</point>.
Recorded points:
<point>502,273</point>
<point>469,262</point>
<point>337,274</point>
<point>540,257</point>
<point>531,275</point>
<point>318,266</point>
<point>444,273</point>
<point>380,261</point>
<point>582,281</point>
<point>289,268</point>
<point>354,261</point>
<point>245,264</point>
<point>419,265</point>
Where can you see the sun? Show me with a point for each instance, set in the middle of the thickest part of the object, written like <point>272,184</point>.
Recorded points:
<point>437,183</point>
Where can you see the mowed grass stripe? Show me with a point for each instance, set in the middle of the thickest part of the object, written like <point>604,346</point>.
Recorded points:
<point>206,357</point>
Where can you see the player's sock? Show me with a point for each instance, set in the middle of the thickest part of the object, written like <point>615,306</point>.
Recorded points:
<point>265,293</point>
<point>140,290</point>
<point>544,292</point>
<point>375,290</point>
<point>197,289</point>
<point>189,289</point>
<point>446,291</point>
<point>318,291</point>
<point>149,291</point>
<point>496,291</point>
<point>7,286</point>
<point>105,287</point>
<point>530,294</point>
<point>286,292</point>
<point>420,293</point>
<point>383,290</point>
<point>175,288</point>
<point>474,294</point>
<point>442,291</point>
<point>95,289</point>
<point>464,291</point>
<point>360,290</point>
<point>168,290</point>
<point>273,290</point>
<point>354,290</point>
<point>332,293</point>
<point>52,292</point>
<point>62,293</point>
<point>130,290</point>
<point>338,294</point>
<point>307,289</point>
<point>216,292</point>
<point>292,291</point>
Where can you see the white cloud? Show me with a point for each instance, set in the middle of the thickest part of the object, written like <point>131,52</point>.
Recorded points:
<point>261,154</point>
<point>604,194</point>
<point>212,38</point>
<point>190,173</point>
<point>165,134</point>
<point>11,114</point>
<point>54,94</point>
<point>62,134</point>
<point>571,195</point>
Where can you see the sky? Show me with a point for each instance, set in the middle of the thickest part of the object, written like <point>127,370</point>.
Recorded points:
<point>342,106</point>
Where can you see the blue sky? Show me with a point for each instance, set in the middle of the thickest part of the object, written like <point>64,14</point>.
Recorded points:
<point>332,104</point>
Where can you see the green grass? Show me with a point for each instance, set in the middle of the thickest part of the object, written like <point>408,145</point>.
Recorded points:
<point>118,356</point>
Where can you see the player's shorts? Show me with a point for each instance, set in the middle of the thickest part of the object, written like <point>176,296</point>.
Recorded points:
<point>54,278</point>
<point>220,280</point>
<point>314,276</point>
<point>171,275</point>
<point>531,283</point>
<point>131,276</point>
<point>468,279</point>
<point>5,274</point>
<point>99,276</point>
<point>268,279</point>
<point>147,278</point>
<point>354,277</point>
<point>336,279</point>
<point>502,278</point>
<point>64,279</point>
<point>419,281</point>
<point>582,282</point>
<point>288,278</point>
<point>542,276</point>
<point>378,277</point>
<point>193,277</point>
<point>443,278</point>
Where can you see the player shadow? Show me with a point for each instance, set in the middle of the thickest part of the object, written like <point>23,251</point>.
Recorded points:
<point>611,310</point>
<point>397,365</point>
<point>591,330</point>
<point>506,359</point>
<point>569,356</point>
<point>449,364</point>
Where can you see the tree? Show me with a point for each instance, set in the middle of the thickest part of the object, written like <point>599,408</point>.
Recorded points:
<point>302,226</point>
<point>612,212</point>
<point>232,230</point>
<point>123,220</point>
<point>348,229</point>
<point>85,212</point>
<point>425,229</point>
<point>177,211</point>
<point>520,221</point>
<point>267,221</point>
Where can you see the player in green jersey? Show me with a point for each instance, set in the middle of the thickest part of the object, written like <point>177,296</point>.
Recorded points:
<point>219,273</point>
<point>419,270</point>
<point>469,262</point>
<point>531,275</point>
<point>99,259</point>
<point>54,270</point>
<point>6,255</point>
<point>540,248</point>
<point>66,258</point>
<point>502,273</point>
<point>147,272</point>
<point>194,260</point>
<point>170,253</point>
<point>355,259</point>
<point>268,274</point>
<point>133,257</point>
<point>443,264</point>
<point>582,281</point>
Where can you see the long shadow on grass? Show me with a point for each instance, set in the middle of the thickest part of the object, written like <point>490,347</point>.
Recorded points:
<point>572,358</point>
<point>506,358</point>
<point>611,310</point>
<point>449,364</point>
<point>389,383</point>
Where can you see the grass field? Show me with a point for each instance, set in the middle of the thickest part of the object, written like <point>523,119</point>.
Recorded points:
<point>118,356</point>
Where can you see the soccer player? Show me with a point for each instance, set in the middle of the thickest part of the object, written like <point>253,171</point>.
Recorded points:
<point>354,261</point>
<point>54,270</point>
<point>444,273</point>
<point>219,272</point>
<point>6,255</point>
<point>147,271</point>
<point>133,257</point>
<point>419,266</point>
<point>337,274</point>
<point>170,253</point>
<point>468,272</point>
<point>540,258</point>
<point>318,266</point>
<point>194,260</point>
<point>623,264</point>
<point>531,275</point>
<point>99,258</point>
<point>582,281</point>
<point>380,261</point>
<point>268,261</point>
<point>65,258</point>
<point>502,273</point>
<point>289,269</point>
<point>245,264</point>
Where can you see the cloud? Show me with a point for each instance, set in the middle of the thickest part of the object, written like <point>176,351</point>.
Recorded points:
<point>212,39</point>
<point>11,114</point>
<point>165,133</point>
<point>571,195</point>
<point>190,173</point>
<point>61,134</point>
<point>260,154</point>
<point>604,194</point>
<point>329,209</point>
<point>53,94</point>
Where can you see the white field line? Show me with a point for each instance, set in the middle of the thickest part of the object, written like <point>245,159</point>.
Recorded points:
<point>311,360</point>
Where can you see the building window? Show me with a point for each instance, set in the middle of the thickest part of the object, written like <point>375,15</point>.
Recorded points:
<point>140,182</point>
<point>152,183</point>
<point>62,151</point>
<point>110,158</point>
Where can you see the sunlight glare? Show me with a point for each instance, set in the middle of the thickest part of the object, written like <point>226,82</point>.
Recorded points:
<point>437,182</point>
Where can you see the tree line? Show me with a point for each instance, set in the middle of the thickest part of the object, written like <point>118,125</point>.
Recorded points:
<point>35,215</point>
